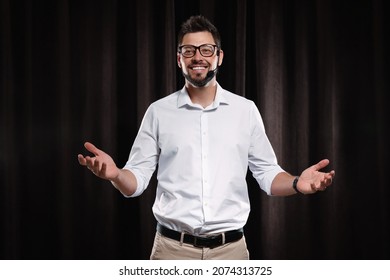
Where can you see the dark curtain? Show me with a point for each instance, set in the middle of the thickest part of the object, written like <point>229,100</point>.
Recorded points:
<point>76,71</point>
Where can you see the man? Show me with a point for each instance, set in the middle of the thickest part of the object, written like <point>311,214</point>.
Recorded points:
<point>203,139</point>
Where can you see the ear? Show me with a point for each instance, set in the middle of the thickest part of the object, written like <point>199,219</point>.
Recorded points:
<point>220,57</point>
<point>178,60</point>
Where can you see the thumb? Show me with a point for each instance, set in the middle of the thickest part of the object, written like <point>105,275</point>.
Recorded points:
<point>323,163</point>
<point>92,148</point>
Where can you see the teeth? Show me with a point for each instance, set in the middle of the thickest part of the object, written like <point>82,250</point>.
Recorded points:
<point>198,68</point>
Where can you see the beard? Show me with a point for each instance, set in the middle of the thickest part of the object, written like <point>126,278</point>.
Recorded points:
<point>200,82</point>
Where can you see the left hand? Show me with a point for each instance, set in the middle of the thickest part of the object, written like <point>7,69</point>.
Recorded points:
<point>312,180</point>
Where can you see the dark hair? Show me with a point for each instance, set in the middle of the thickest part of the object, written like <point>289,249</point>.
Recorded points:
<point>198,24</point>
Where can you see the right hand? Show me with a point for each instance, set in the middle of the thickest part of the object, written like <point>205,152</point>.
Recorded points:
<point>101,164</point>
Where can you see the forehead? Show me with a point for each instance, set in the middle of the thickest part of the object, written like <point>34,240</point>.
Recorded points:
<point>198,38</point>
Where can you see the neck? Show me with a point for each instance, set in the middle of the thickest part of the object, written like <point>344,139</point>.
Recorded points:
<point>203,96</point>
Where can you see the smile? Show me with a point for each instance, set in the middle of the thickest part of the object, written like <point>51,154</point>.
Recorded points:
<point>198,68</point>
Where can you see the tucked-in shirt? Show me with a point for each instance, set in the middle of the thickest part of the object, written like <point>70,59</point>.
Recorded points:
<point>203,155</point>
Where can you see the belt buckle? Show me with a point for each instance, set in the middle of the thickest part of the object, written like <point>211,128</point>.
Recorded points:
<point>210,239</point>
<point>196,243</point>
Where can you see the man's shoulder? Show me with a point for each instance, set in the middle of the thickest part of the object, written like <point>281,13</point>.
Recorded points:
<point>170,99</point>
<point>236,99</point>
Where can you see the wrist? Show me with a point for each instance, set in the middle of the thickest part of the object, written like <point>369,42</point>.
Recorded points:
<point>295,185</point>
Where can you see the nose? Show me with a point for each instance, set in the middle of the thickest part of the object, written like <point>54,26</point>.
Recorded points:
<point>197,55</point>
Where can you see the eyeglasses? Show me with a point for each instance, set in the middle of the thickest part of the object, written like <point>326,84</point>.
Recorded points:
<point>205,50</point>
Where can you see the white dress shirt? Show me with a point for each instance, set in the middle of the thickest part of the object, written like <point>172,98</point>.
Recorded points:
<point>203,156</point>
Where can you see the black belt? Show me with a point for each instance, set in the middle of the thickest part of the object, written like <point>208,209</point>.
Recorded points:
<point>198,241</point>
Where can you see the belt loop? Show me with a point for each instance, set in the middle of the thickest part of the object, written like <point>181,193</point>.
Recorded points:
<point>223,238</point>
<point>181,238</point>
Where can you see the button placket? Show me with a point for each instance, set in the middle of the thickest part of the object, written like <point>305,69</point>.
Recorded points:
<point>205,161</point>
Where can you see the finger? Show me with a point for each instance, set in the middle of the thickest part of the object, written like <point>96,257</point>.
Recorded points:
<point>96,166</point>
<point>326,182</point>
<point>319,186</point>
<point>82,160</point>
<point>89,162</point>
<point>92,148</point>
<point>103,168</point>
<point>323,163</point>
<point>313,187</point>
<point>329,177</point>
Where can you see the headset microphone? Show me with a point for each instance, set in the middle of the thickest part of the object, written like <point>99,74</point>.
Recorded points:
<point>212,73</point>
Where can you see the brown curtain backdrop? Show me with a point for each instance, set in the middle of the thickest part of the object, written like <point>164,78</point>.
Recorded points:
<point>76,71</point>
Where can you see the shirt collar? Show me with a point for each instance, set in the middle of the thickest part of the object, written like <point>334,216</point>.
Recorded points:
<point>220,98</point>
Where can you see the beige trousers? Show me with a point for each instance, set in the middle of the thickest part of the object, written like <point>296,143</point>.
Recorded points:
<point>165,248</point>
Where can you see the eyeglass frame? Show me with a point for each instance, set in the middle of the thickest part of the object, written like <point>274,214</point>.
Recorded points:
<point>216,48</point>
